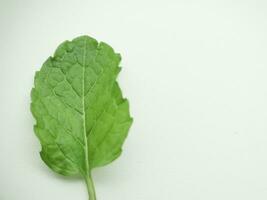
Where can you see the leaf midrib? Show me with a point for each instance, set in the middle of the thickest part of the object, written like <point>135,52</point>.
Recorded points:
<point>83,114</point>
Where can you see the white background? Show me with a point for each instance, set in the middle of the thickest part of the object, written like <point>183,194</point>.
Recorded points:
<point>195,73</point>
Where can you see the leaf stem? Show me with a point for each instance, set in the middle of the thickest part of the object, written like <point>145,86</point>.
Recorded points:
<point>90,187</point>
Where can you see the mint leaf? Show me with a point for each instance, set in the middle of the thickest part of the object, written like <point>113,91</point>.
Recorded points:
<point>81,117</point>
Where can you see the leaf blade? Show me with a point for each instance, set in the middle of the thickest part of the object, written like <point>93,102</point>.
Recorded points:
<point>79,108</point>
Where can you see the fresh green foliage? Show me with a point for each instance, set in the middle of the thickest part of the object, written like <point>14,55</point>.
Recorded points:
<point>81,117</point>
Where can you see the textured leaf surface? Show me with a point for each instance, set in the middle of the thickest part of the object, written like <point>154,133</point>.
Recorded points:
<point>81,117</point>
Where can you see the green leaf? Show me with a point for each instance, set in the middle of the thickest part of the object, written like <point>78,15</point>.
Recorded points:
<point>81,117</point>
